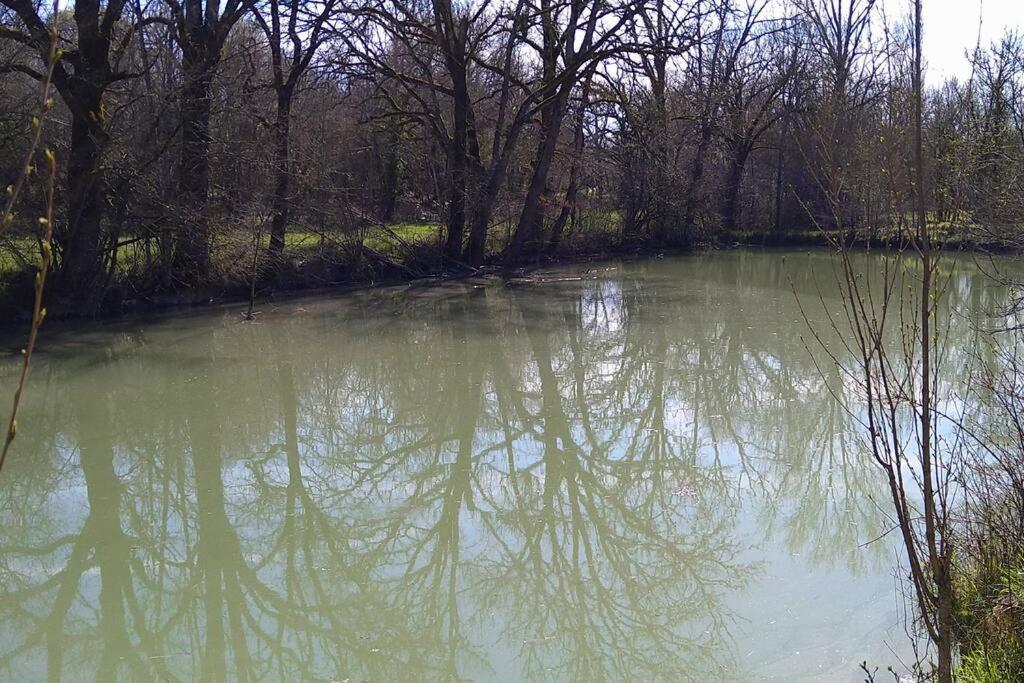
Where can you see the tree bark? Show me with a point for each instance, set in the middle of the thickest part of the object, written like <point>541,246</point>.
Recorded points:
<point>192,254</point>
<point>488,180</point>
<point>457,175</point>
<point>280,202</point>
<point>81,274</point>
<point>659,197</point>
<point>733,181</point>
<point>453,34</point>
<point>572,190</point>
<point>780,165</point>
<point>526,233</point>
<point>696,186</point>
<point>480,214</point>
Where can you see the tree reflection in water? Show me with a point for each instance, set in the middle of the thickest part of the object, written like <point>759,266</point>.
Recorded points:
<point>571,480</point>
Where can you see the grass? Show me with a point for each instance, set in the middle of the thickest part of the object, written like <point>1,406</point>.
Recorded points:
<point>990,596</point>
<point>413,233</point>
<point>10,247</point>
<point>14,249</point>
<point>991,664</point>
<point>375,237</point>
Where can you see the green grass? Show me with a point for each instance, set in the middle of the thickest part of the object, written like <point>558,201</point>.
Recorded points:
<point>375,237</point>
<point>993,664</point>
<point>131,257</point>
<point>990,619</point>
<point>413,233</point>
<point>10,246</point>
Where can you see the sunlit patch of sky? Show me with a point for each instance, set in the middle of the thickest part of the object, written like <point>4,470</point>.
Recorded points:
<point>952,29</point>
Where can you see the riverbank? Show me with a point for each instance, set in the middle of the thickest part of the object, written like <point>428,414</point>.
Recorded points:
<point>817,238</point>
<point>330,266</point>
<point>414,255</point>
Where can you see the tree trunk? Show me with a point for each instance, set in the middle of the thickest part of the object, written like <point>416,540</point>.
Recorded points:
<point>779,168</point>
<point>569,204</point>
<point>732,187</point>
<point>390,158</point>
<point>280,203</point>
<point>456,34</point>
<point>485,196</point>
<point>526,233</point>
<point>192,254</point>
<point>81,272</point>
<point>488,182</point>
<point>944,621</point>
<point>659,198</point>
<point>696,187</point>
<point>456,185</point>
<point>482,207</point>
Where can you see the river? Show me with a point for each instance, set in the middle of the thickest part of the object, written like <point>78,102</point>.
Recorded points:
<point>611,471</point>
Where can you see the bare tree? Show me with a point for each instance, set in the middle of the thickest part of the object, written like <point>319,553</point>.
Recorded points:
<point>201,28</point>
<point>754,105</point>
<point>295,31</point>
<point>892,335</point>
<point>574,36</point>
<point>82,77</point>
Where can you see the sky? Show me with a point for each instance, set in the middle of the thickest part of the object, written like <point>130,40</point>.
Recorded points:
<point>951,29</point>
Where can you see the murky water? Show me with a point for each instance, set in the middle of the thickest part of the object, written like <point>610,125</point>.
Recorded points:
<point>625,471</point>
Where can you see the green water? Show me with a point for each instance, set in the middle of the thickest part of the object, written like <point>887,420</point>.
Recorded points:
<point>622,471</point>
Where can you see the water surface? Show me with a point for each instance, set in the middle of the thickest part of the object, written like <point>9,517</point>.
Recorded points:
<point>621,471</point>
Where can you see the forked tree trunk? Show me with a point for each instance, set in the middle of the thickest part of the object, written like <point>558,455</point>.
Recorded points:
<point>480,216</point>
<point>525,236</point>
<point>571,192</point>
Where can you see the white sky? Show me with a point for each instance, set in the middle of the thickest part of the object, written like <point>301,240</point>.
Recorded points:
<point>951,29</point>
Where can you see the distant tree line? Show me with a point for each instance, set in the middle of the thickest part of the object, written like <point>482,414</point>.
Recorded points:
<point>337,137</point>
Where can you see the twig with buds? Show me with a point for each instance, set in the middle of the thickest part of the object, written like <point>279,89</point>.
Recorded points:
<point>46,222</point>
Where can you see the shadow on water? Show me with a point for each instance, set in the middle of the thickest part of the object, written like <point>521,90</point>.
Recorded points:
<point>634,473</point>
